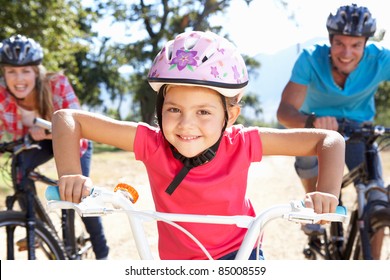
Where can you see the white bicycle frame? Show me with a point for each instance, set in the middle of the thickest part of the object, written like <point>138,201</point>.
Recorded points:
<point>102,202</point>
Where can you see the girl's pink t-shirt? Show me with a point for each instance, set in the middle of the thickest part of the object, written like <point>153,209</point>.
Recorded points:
<point>215,188</point>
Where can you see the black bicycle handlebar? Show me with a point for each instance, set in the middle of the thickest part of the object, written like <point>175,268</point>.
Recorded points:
<point>367,132</point>
<point>27,140</point>
<point>8,147</point>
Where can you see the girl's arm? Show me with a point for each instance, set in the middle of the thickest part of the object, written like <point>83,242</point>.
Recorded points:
<point>328,145</point>
<point>68,127</point>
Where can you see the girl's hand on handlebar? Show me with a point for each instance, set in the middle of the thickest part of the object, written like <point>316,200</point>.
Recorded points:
<point>321,202</point>
<point>74,187</point>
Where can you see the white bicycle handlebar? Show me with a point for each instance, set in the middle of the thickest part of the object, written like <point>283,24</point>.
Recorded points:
<point>102,202</point>
<point>43,124</point>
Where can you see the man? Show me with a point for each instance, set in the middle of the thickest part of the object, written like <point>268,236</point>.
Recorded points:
<point>333,86</point>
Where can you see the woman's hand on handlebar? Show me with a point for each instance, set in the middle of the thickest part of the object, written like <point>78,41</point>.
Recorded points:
<point>74,187</point>
<point>38,133</point>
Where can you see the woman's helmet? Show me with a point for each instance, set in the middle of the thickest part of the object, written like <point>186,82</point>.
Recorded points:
<point>200,59</point>
<point>351,21</point>
<point>19,50</point>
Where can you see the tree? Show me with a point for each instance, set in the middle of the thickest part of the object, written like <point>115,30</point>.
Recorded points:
<point>62,27</point>
<point>160,21</point>
<point>100,72</point>
<point>382,101</point>
<point>382,97</point>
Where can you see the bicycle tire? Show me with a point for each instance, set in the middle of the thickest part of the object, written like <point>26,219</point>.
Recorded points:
<point>47,245</point>
<point>380,220</point>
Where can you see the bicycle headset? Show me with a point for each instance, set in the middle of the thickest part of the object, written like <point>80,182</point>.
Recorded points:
<point>197,58</point>
<point>351,21</point>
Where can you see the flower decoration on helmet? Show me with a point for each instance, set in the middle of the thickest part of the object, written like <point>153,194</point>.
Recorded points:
<point>200,59</point>
<point>184,59</point>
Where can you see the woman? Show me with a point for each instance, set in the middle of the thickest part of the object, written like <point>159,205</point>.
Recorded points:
<point>27,91</point>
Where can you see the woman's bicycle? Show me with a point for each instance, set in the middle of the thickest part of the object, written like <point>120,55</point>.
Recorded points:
<point>369,217</point>
<point>32,233</point>
<point>102,201</point>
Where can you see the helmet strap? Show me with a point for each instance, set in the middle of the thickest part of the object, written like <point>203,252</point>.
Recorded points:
<point>190,163</point>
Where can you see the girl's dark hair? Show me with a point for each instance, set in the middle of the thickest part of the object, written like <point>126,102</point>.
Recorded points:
<point>159,105</point>
<point>226,102</point>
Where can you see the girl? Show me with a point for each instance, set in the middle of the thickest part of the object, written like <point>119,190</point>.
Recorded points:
<point>197,159</point>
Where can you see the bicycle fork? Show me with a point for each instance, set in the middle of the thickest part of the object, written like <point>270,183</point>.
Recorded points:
<point>365,244</point>
<point>10,200</point>
<point>68,233</point>
<point>30,228</point>
<point>30,217</point>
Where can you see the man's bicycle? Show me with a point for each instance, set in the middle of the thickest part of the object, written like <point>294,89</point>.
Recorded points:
<point>102,201</point>
<point>32,233</point>
<point>370,218</point>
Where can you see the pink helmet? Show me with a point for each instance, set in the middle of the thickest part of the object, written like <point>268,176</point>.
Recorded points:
<point>200,59</point>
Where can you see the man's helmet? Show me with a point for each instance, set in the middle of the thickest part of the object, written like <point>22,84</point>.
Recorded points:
<point>200,59</point>
<point>19,50</point>
<point>351,21</point>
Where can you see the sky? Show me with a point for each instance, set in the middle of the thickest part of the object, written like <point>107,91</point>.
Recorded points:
<point>264,26</point>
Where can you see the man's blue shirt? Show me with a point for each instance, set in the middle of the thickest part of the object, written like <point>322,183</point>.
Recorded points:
<point>324,97</point>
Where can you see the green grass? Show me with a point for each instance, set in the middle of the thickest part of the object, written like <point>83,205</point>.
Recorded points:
<point>5,179</point>
<point>5,182</point>
<point>100,148</point>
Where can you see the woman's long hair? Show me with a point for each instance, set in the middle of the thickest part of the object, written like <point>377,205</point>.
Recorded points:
<point>44,96</point>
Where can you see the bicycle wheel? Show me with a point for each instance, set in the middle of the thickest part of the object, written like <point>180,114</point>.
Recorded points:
<point>380,224</point>
<point>47,245</point>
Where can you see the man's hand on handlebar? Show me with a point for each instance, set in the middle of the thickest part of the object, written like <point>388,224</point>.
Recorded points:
<point>329,123</point>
